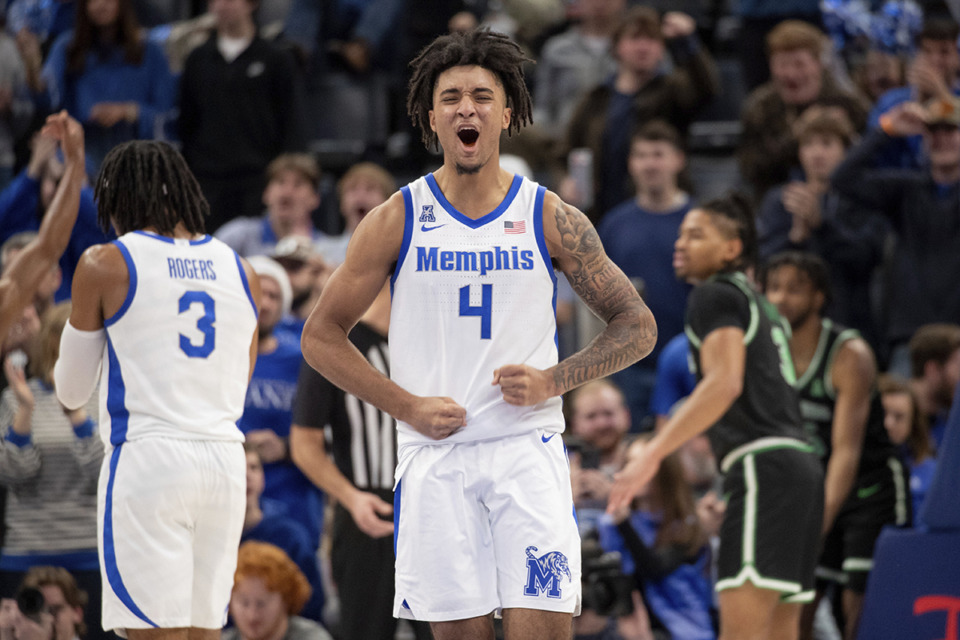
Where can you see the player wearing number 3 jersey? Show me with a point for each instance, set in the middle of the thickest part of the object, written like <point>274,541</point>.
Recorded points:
<point>168,315</point>
<point>773,483</point>
<point>482,506</point>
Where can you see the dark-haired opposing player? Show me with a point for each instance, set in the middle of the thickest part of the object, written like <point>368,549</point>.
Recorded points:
<point>770,536</point>
<point>167,316</point>
<point>865,483</point>
<point>483,505</point>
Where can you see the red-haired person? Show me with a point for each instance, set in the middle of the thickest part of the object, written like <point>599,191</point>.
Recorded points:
<point>268,593</point>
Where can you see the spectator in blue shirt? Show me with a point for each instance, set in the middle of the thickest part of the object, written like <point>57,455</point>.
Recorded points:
<point>933,73</point>
<point>109,77</point>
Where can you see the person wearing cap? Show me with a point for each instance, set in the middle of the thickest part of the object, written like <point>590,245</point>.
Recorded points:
<point>268,409</point>
<point>923,207</point>
<point>934,72</point>
<point>308,272</point>
<point>807,214</point>
<point>291,196</point>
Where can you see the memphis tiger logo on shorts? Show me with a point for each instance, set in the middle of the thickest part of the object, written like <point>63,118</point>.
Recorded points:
<point>426,214</point>
<point>545,573</point>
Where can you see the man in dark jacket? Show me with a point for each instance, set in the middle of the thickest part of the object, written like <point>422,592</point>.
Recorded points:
<point>923,206</point>
<point>639,92</point>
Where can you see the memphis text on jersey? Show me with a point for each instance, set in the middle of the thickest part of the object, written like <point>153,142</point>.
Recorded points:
<point>498,259</point>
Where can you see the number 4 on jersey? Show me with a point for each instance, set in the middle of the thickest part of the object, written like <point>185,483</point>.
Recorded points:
<point>484,311</point>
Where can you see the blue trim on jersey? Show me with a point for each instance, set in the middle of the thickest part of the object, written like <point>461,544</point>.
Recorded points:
<point>116,398</point>
<point>156,236</point>
<point>131,287</point>
<point>470,222</point>
<point>396,516</point>
<point>407,234</point>
<point>545,253</point>
<point>246,285</point>
<point>110,551</point>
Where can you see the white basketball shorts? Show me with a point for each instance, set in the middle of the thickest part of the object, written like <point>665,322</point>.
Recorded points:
<point>486,526</point>
<point>170,518</point>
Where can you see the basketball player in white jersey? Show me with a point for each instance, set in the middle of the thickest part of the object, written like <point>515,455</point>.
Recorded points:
<point>167,316</point>
<point>483,511</point>
<point>33,263</point>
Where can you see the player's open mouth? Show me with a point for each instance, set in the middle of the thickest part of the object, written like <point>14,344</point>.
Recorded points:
<point>468,136</point>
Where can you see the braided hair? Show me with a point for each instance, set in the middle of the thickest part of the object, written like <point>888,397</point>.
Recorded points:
<point>146,183</point>
<point>493,51</point>
<point>736,210</point>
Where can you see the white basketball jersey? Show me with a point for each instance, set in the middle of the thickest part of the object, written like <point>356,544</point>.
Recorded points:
<point>177,357</point>
<point>470,296</point>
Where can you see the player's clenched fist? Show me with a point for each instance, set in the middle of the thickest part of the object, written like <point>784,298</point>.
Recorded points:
<point>437,417</point>
<point>523,385</point>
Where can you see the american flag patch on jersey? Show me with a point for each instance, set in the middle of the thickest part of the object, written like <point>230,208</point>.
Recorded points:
<point>515,227</point>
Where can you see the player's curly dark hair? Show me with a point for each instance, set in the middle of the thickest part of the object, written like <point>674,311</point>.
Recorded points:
<point>738,210</point>
<point>493,51</point>
<point>146,183</point>
<point>809,264</point>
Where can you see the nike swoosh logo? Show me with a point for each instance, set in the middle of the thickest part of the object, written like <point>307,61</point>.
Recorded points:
<point>547,439</point>
<point>866,492</point>
<point>424,227</point>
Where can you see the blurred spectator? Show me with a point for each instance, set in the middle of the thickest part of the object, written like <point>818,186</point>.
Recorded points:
<point>934,72</point>
<point>16,106</point>
<point>599,421</point>
<point>358,473</point>
<point>266,520</point>
<point>935,373</point>
<point>346,35</point>
<point>362,187</point>
<point>907,427</point>
<point>572,62</point>
<point>227,142</point>
<point>923,208</point>
<point>268,409</point>
<point>638,235</point>
<point>666,549</point>
<point>878,73</point>
<point>37,23</point>
<point>758,18</point>
<point>65,600</point>
<point>50,462</point>
<point>109,77</point>
<point>24,203</point>
<point>268,593</point>
<point>44,298</point>
<point>768,149</point>
<point>674,381</point>
<point>640,91</point>
<point>291,196</point>
<point>807,214</point>
<point>308,272</point>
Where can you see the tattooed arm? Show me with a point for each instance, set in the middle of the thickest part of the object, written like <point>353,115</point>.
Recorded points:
<point>631,331</point>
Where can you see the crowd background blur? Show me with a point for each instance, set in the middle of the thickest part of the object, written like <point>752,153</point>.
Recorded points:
<point>839,118</point>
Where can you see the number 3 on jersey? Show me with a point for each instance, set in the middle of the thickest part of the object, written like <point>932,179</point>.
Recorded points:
<point>484,311</point>
<point>204,324</point>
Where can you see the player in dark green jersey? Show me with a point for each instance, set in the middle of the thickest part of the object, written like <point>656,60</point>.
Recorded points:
<point>769,541</point>
<point>865,482</point>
